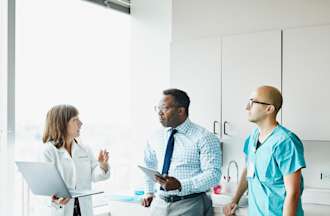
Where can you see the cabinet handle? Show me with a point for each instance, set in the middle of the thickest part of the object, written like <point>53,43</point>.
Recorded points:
<point>224,128</point>
<point>214,127</point>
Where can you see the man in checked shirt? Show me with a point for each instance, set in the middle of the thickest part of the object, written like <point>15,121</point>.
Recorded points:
<point>188,157</point>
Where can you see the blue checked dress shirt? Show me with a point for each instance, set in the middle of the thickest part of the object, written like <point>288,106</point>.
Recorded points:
<point>196,159</point>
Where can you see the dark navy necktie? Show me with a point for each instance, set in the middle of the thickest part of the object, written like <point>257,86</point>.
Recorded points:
<point>168,153</point>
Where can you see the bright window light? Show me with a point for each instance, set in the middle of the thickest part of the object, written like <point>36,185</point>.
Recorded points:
<point>78,53</point>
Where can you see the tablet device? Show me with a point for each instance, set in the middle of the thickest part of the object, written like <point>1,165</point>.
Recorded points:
<point>45,180</point>
<point>151,173</point>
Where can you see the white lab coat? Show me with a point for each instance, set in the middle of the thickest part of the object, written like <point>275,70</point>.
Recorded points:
<point>78,172</point>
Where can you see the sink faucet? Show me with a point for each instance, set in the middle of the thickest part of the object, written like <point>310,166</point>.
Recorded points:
<point>228,169</point>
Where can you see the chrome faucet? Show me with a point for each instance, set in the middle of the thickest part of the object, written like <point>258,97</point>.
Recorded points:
<point>227,178</point>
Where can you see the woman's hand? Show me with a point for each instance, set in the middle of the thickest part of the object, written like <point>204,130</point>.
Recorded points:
<point>103,160</point>
<point>60,200</point>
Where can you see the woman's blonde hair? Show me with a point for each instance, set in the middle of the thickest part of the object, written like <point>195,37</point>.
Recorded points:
<point>57,121</point>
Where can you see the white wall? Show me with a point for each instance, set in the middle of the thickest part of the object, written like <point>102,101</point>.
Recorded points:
<point>207,18</point>
<point>151,33</point>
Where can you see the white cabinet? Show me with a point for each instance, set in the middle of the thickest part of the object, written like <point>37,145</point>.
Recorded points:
<point>248,61</point>
<point>220,73</point>
<point>306,79</point>
<point>195,68</point>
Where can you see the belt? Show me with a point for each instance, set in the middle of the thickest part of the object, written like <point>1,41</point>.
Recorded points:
<point>174,198</point>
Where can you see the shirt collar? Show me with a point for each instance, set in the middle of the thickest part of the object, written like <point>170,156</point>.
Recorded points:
<point>73,148</point>
<point>60,149</point>
<point>182,128</point>
<point>268,135</point>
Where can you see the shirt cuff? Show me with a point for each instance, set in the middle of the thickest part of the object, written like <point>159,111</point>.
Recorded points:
<point>149,188</point>
<point>186,186</point>
<point>99,174</point>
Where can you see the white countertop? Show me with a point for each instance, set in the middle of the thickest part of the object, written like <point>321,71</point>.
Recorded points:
<point>316,196</point>
<point>316,202</point>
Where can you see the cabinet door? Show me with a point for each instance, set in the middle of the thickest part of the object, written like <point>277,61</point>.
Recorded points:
<point>248,61</point>
<point>306,77</point>
<point>195,68</point>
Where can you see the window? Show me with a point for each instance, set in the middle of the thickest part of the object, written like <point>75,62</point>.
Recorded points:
<point>77,53</point>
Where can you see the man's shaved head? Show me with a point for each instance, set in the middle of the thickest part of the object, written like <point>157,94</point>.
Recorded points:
<point>271,95</point>
<point>265,102</point>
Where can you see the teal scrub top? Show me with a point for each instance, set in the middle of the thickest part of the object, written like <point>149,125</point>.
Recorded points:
<point>281,154</point>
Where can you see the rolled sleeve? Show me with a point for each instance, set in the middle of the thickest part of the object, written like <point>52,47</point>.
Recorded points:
<point>99,174</point>
<point>210,164</point>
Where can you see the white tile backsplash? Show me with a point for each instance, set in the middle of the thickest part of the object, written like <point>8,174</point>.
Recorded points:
<point>317,155</point>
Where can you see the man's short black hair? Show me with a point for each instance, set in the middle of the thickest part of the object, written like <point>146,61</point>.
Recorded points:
<point>181,98</point>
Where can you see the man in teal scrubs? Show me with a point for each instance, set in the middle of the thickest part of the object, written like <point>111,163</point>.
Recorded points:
<point>274,159</point>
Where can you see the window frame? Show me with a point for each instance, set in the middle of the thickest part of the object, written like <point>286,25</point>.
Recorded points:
<point>7,105</point>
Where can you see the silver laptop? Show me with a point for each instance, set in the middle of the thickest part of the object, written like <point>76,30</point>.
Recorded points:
<point>45,180</point>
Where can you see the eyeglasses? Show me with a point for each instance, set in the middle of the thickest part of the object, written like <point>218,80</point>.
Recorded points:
<point>252,101</point>
<point>163,109</point>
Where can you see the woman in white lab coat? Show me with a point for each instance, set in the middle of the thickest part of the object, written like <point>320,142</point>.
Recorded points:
<point>75,162</point>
